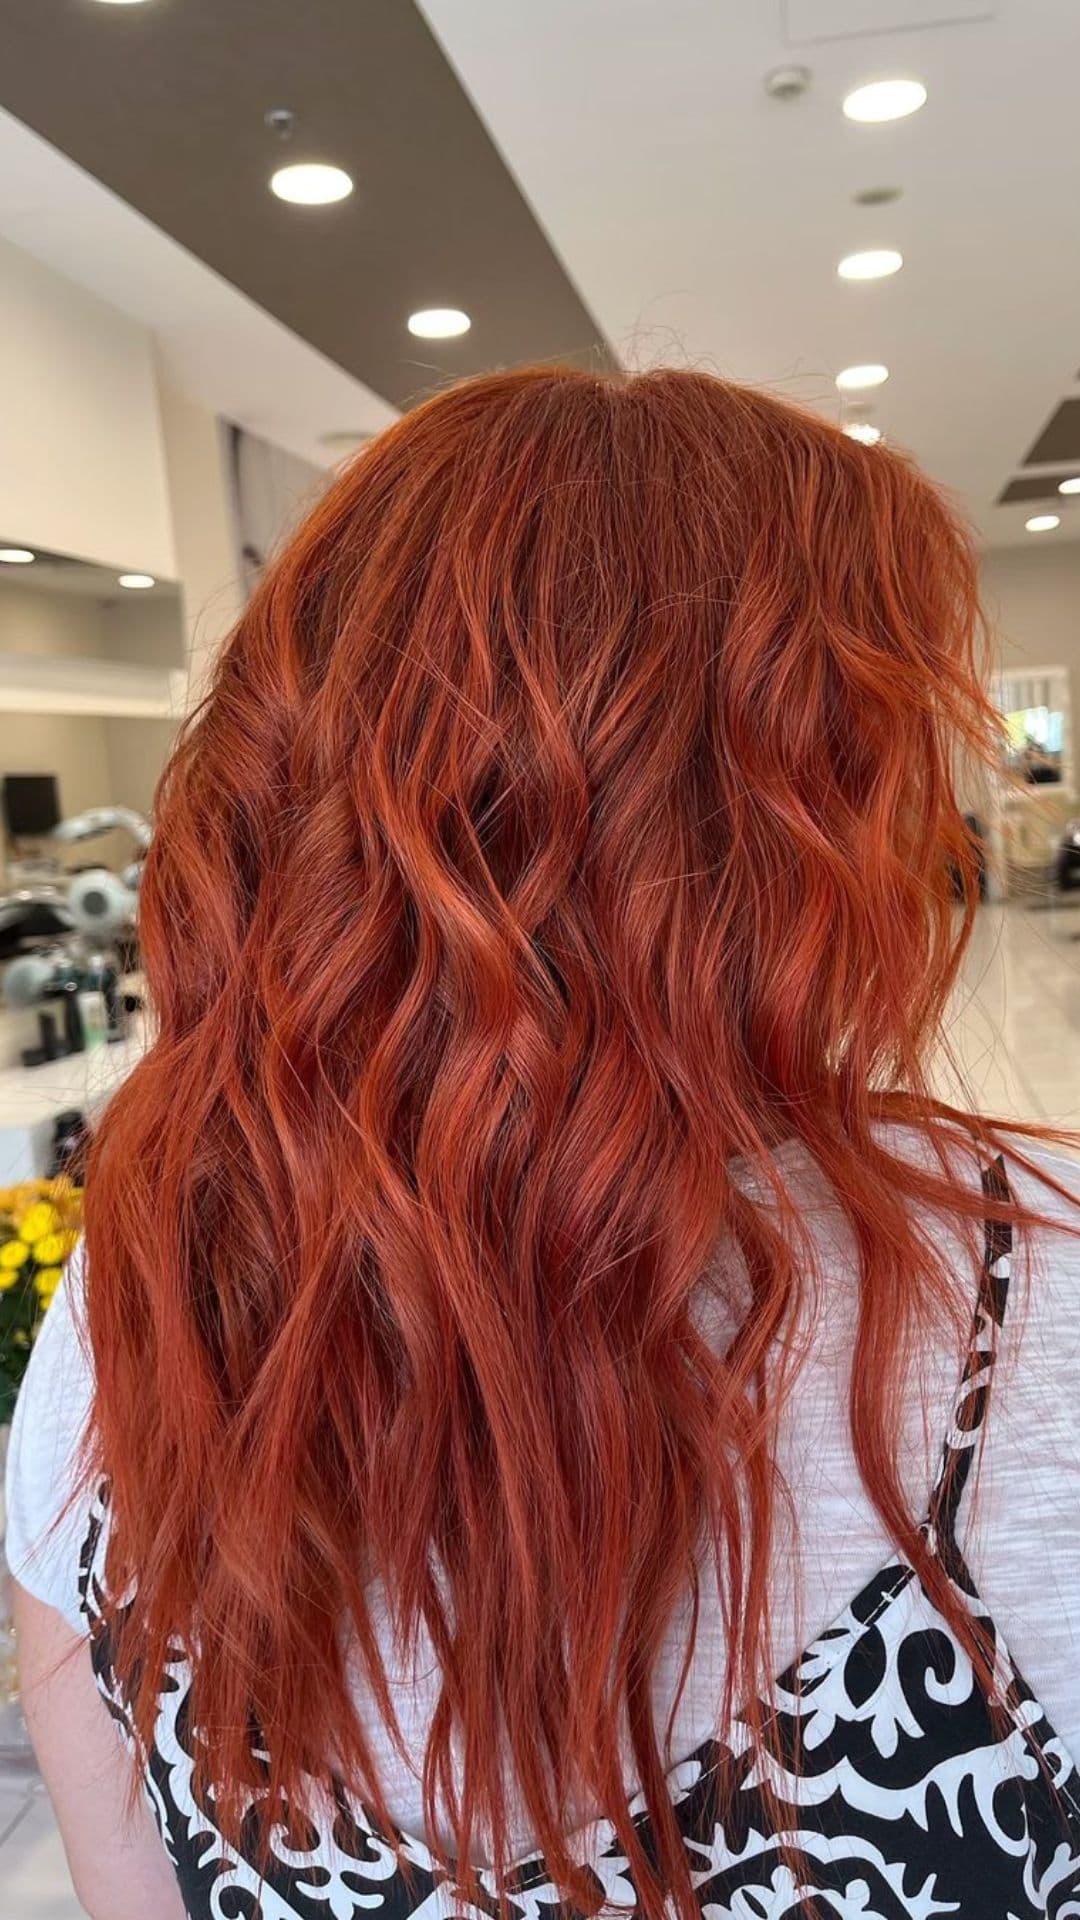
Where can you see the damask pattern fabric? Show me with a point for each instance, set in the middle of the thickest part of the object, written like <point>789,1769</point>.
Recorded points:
<point>884,1784</point>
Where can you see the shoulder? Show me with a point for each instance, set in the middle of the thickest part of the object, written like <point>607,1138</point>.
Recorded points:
<point>45,1509</point>
<point>1040,1346</point>
<point>1051,1182</point>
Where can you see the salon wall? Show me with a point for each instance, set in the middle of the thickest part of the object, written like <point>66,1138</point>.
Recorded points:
<point>142,629</point>
<point>83,468</point>
<point>48,623</point>
<point>136,751</point>
<point>204,528</point>
<point>1032,599</point>
<point>145,630</point>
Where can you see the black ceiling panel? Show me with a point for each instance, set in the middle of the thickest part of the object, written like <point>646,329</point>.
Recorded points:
<point>166,105</point>
<point>1059,440</point>
<point>1031,486</point>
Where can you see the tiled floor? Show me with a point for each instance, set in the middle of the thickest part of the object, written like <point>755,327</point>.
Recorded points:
<point>1016,1037</point>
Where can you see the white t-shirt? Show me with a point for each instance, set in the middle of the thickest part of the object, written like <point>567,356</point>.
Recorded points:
<point>1021,1534</point>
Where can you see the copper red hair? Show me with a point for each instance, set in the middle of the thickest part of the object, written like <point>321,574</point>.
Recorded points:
<point>572,815</point>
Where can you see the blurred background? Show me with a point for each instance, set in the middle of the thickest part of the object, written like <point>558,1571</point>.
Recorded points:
<point>237,239</point>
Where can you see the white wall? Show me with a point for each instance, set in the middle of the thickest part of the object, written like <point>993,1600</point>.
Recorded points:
<point>83,466</point>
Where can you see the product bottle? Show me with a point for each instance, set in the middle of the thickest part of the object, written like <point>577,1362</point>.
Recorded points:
<point>70,1139</point>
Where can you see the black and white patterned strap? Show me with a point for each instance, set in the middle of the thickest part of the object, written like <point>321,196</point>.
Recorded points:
<point>969,1410</point>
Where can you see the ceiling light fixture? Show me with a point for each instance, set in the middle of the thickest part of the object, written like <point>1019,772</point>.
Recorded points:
<point>883,100</point>
<point>121,3</point>
<point>1042,523</point>
<point>311,183</point>
<point>138,582</point>
<point>16,556</point>
<point>439,323</point>
<point>864,431</point>
<point>857,379</point>
<point>1070,486</point>
<point>876,263</point>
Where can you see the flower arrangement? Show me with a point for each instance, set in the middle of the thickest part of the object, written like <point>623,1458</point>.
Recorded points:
<point>39,1225</point>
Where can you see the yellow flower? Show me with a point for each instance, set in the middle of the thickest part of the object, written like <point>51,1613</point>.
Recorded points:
<point>13,1254</point>
<point>53,1248</point>
<point>46,1281</point>
<point>39,1220</point>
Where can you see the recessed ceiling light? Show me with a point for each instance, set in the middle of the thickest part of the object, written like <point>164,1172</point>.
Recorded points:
<point>16,556</point>
<point>1070,486</point>
<point>855,379</point>
<point>1043,522</point>
<point>875,264</point>
<point>311,183</point>
<point>138,582</point>
<point>885,100</point>
<point>120,3</point>
<point>439,323</point>
<point>864,431</point>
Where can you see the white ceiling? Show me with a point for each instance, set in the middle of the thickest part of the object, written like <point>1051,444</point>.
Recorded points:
<point>215,343</point>
<point>702,221</point>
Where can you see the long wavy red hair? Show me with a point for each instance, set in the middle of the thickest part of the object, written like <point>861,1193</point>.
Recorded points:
<point>572,815</point>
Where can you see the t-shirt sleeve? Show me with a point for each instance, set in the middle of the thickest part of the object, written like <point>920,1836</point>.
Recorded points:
<point>46,1516</point>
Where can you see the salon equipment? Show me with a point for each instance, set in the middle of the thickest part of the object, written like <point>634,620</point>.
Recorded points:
<point>79,970</point>
<point>23,902</point>
<point>95,820</point>
<point>100,904</point>
<point>71,1137</point>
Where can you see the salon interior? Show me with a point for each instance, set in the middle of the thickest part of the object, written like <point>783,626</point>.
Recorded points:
<point>237,241</point>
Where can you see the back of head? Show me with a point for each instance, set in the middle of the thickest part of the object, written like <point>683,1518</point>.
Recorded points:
<point>572,815</point>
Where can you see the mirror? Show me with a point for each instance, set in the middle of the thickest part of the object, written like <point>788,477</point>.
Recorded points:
<point>1035,708</point>
<point>91,678</point>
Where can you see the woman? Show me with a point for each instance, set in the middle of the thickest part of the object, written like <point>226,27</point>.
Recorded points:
<point>529,1286</point>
